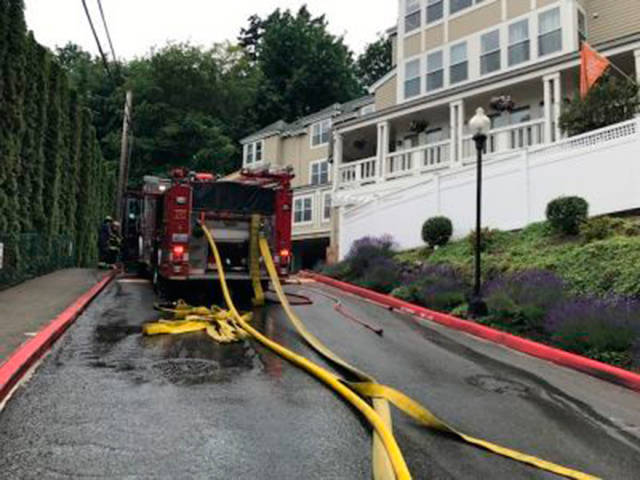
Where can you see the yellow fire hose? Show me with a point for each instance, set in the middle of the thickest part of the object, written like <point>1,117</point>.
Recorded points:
<point>388,453</point>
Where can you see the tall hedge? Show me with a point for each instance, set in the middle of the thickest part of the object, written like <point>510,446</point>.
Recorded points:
<point>54,181</point>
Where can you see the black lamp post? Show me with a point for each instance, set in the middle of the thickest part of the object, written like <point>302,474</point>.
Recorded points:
<point>480,125</point>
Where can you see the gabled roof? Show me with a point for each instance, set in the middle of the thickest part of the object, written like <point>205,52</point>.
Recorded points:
<point>299,126</point>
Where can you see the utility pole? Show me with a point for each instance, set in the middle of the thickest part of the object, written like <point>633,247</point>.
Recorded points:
<point>124,156</point>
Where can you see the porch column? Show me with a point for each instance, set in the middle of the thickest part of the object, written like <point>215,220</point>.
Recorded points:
<point>383,148</point>
<point>456,129</point>
<point>337,158</point>
<point>552,104</point>
<point>636,54</point>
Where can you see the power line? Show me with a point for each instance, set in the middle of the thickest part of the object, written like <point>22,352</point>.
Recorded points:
<point>106,29</point>
<point>95,36</point>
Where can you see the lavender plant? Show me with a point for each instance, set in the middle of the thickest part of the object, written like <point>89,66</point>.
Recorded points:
<point>591,325</point>
<point>524,298</point>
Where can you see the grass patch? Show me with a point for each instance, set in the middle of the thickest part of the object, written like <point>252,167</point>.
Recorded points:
<point>597,267</point>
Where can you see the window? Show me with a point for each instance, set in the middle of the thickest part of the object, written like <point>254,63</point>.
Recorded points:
<point>521,115</point>
<point>490,58</point>
<point>434,135</point>
<point>326,209</point>
<point>519,50</point>
<point>254,152</point>
<point>412,79</point>
<point>549,32</point>
<point>457,5</point>
<point>435,10</point>
<point>320,173</point>
<point>582,28</point>
<point>435,71</point>
<point>320,133</point>
<point>248,158</point>
<point>303,210</point>
<point>412,19</point>
<point>459,70</point>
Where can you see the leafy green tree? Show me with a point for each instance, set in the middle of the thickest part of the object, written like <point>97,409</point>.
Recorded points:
<point>304,67</point>
<point>611,100</point>
<point>375,62</point>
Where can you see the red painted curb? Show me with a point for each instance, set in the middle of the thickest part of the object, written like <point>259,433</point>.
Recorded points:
<point>30,351</point>
<point>601,370</point>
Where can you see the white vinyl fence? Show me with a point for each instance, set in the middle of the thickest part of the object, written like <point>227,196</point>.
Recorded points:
<point>602,166</point>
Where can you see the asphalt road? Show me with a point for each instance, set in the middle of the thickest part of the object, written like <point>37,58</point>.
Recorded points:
<point>110,403</point>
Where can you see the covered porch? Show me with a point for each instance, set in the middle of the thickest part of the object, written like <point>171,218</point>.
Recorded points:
<point>423,140</point>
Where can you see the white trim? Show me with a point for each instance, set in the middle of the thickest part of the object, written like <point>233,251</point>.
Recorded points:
<point>320,123</point>
<point>317,162</point>
<point>473,48</point>
<point>400,111</point>
<point>302,198</point>
<point>245,151</point>
<point>323,218</point>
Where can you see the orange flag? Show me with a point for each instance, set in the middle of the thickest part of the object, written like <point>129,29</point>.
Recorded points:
<point>592,67</point>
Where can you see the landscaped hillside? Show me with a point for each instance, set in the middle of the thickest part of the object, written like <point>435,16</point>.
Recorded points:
<point>588,265</point>
<point>579,292</point>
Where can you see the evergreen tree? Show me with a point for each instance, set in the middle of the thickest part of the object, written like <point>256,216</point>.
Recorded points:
<point>52,147</point>
<point>11,116</point>
<point>42,62</point>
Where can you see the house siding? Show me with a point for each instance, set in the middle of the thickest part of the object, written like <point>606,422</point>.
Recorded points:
<point>433,37</point>
<point>616,18</point>
<point>386,94</point>
<point>272,150</point>
<point>515,8</point>
<point>413,45</point>
<point>475,21</point>
<point>544,3</point>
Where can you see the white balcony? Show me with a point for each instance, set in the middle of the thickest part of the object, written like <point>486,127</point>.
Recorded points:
<point>417,160</point>
<point>506,139</point>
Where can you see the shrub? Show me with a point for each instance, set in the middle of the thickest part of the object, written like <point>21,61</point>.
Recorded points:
<point>487,238</point>
<point>594,326</point>
<point>601,228</point>
<point>437,231</point>
<point>339,270</point>
<point>366,251</point>
<point>404,292</point>
<point>523,299</point>
<point>439,287</point>
<point>383,275</point>
<point>567,214</point>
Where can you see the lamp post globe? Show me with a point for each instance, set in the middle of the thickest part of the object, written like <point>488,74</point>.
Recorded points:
<point>480,125</point>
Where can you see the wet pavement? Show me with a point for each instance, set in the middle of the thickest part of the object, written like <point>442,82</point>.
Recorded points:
<point>110,403</point>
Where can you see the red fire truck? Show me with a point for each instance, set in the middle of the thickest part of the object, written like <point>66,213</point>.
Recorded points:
<point>163,225</point>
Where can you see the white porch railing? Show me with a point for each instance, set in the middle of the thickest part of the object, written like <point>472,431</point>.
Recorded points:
<point>359,171</point>
<point>526,138</point>
<point>513,137</point>
<point>424,158</point>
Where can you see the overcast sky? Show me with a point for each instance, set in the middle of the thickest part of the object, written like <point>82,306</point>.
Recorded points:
<point>137,25</point>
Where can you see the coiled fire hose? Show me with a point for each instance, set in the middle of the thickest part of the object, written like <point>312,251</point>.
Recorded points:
<point>388,462</point>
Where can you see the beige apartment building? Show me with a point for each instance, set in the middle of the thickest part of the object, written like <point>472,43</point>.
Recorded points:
<point>305,145</point>
<point>449,58</point>
<point>453,56</point>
